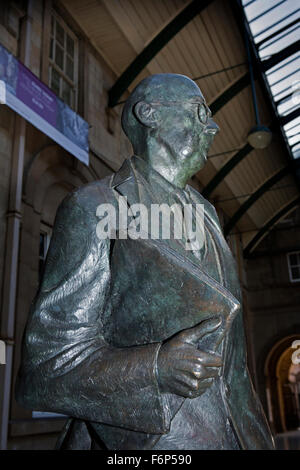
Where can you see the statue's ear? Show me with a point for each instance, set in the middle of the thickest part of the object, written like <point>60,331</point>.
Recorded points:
<point>147,114</point>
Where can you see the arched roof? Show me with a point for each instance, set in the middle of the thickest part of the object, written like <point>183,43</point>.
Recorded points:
<point>205,40</point>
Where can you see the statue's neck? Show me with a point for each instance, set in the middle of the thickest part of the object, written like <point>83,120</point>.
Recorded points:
<point>164,162</point>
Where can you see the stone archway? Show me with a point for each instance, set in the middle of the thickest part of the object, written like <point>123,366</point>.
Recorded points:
<point>281,410</point>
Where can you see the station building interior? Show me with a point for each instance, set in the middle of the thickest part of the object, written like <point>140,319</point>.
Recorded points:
<point>244,56</point>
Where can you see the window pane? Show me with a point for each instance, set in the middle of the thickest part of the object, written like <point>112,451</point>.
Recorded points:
<point>293,259</point>
<point>273,32</point>
<point>52,25</point>
<point>296,151</point>
<point>70,46</point>
<point>296,273</point>
<point>60,34</point>
<point>67,93</point>
<point>63,49</point>
<point>70,68</point>
<point>55,81</point>
<point>59,56</point>
<point>51,49</point>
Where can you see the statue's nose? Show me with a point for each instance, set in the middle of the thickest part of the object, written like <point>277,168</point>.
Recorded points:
<point>211,127</point>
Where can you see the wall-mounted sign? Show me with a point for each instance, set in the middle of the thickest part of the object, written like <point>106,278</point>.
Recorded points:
<point>35,102</point>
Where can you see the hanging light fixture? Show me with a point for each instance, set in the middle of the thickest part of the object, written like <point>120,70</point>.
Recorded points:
<point>259,136</point>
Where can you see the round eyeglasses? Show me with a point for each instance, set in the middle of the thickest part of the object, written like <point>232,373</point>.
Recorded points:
<point>204,113</point>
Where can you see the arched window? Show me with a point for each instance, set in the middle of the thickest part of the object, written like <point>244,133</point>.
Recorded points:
<point>282,382</point>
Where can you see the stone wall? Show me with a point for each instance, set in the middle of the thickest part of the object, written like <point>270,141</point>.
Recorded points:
<point>274,301</point>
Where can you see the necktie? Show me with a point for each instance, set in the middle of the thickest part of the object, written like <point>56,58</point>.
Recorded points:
<point>193,220</point>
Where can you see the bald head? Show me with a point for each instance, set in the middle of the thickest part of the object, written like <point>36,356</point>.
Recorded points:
<point>157,88</point>
<point>169,125</point>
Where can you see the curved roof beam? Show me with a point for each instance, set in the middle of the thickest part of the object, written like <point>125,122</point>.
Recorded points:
<point>244,151</point>
<point>254,197</point>
<point>280,56</point>
<point>223,172</point>
<point>276,33</point>
<point>270,224</point>
<point>229,94</point>
<point>290,117</point>
<point>153,48</point>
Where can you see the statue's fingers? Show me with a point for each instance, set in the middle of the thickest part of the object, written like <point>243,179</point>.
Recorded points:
<point>186,380</point>
<point>209,372</point>
<point>180,385</point>
<point>182,390</point>
<point>202,386</point>
<point>193,335</point>
<point>208,359</point>
<point>205,383</point>
<point>196,370</point>
<point>193,368</point>
<point>189,359</point>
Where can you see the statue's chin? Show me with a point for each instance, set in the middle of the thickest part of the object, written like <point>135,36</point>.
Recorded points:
<point>198,167</point>
<point>202,159</point>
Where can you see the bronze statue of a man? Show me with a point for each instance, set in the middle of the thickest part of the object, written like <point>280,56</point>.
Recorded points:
<point>139,340</point>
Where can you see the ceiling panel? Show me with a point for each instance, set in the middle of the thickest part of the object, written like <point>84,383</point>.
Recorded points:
<point>211,42</point>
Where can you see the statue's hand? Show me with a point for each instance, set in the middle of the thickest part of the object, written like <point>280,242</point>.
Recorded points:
<point>182,368</point>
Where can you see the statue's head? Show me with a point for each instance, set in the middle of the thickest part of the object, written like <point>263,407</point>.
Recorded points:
<point>166,117</point>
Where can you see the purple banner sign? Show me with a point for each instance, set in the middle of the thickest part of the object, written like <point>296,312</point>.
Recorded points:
<point>39,105</point>
<point>36,95</point>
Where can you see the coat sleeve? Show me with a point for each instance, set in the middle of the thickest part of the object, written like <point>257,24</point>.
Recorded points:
<point>68,366</point>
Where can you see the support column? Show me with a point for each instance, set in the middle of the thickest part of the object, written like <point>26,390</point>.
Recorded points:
<point>10,268</point>
<point>10,271</point>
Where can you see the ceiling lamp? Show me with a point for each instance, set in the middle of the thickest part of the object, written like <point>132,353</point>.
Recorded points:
<point>259,136</point>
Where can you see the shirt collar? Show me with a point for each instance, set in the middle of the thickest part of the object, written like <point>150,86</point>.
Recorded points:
<point>152,177</point>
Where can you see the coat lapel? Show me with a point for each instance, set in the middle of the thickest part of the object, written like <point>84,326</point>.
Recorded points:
<point>128,183</point>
